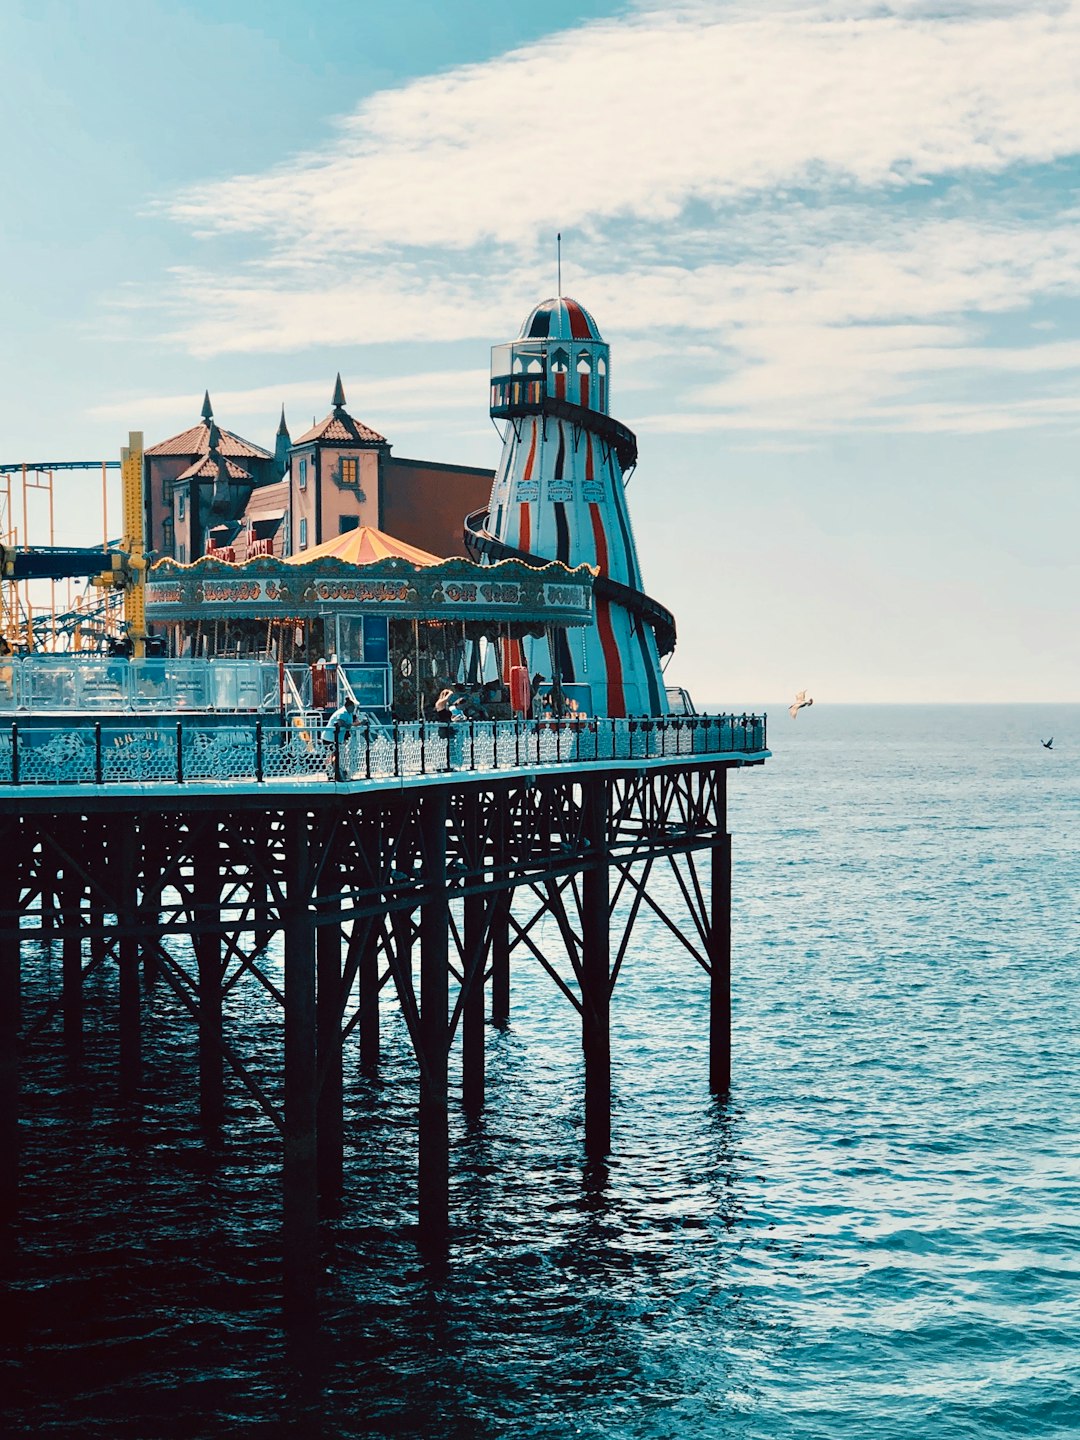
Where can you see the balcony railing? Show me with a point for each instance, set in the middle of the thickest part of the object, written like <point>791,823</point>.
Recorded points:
<point>257,752</point>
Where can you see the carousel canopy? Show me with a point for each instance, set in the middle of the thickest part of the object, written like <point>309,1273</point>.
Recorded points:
<point>314,584</point>
<point>364,546</point>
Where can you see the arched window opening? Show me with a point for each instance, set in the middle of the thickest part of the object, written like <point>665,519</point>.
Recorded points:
<point>560,364</point>
<point>584,370</point>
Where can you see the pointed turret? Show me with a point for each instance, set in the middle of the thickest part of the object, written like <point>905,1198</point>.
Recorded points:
<point>207,409</point>
<point>338,401</point>
<point>281,446</point>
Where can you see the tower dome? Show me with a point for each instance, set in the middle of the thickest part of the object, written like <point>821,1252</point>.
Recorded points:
<point>560,319</point>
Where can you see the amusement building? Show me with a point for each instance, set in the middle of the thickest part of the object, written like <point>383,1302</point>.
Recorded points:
<point>328,568</point>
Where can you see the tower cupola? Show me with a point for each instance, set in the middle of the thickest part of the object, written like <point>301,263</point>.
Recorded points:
<point>559,353</point>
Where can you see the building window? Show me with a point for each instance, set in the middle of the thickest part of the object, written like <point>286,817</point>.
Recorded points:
<point>303,529</point>
<point>181,505</point>
<point>347,523</point>
<point>349,472</point>
<point>183,555</point>
<point>303,474</point>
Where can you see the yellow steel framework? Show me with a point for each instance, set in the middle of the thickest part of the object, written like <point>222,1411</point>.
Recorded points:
<point>57,618</point>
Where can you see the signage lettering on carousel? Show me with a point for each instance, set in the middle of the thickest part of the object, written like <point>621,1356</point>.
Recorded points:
<point>300,594</point>
<point>363,590</point>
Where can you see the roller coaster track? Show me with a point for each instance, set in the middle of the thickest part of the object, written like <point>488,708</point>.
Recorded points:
<point>480,542</point>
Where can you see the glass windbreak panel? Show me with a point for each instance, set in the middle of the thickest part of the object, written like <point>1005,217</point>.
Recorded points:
<point>350,637</point>
<point>501,357</point>
<point>376,640</point>
<point>369,685</point>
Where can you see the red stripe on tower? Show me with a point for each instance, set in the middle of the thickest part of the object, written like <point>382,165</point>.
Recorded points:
<point>612,659</point>
<point>579,326</point>
<point>524,527</point>
<point>531,457</point>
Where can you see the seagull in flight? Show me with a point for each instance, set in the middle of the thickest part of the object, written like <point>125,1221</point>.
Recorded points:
<point>800,700</point>
<point>1048,744</point>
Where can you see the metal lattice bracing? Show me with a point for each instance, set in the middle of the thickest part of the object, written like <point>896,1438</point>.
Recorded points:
<point>428,895</point>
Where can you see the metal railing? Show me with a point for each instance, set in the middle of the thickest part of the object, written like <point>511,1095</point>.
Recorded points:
<point>187,752</point>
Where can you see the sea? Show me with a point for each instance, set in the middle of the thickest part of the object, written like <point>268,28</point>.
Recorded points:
<point>876,1234</point>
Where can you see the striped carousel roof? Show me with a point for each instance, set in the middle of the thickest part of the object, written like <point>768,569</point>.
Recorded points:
<point>364,546</point>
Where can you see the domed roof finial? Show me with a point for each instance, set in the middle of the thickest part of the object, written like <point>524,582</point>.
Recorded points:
<point>339,394</point>
<point>207,408</point>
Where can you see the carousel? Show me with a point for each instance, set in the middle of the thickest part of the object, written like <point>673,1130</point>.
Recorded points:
<point>367,616</point>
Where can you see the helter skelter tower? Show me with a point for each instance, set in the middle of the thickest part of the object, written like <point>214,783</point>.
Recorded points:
<point>559,495</point>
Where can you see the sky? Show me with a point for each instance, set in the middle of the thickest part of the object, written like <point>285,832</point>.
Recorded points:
<point>834,248</point>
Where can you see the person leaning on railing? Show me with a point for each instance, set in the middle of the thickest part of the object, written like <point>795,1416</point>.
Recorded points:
<point>336,731</point>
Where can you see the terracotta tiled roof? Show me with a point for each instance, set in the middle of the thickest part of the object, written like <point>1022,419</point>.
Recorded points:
<point>207,469</point>
<point>196,441</point>
<point>339,425</point>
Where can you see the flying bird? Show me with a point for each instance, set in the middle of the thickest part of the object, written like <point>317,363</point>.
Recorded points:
<point>1048,744</point>
<point>801,699</point>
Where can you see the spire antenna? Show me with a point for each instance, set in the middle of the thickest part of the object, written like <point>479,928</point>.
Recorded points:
<point>558,260</point>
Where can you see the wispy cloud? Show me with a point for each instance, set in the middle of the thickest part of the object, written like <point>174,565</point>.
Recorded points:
<point>830,202</point>
<point>432,390</point>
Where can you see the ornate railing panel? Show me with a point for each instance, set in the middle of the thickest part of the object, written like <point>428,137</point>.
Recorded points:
<point>252,750</point>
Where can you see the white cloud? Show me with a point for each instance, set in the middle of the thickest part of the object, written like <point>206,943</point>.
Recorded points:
<point>638,117</point>
<point>746,188</point>
<point>432,390</point>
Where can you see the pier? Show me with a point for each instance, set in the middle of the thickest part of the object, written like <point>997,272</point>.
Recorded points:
<point>415,873</point>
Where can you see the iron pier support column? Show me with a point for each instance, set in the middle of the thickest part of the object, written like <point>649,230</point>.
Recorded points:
<point>500,921</point>
<point>328,1006</point>
<point>207,888</point>
<point>299,1174</point>
<point>128,949</point>
<point>157,845</point>
<point>368,997</point>
<point>98,860</point>
<point>473,1018</point>
<point>595,970</point>
<point>71,896</point>
<point>720,950</point>
<point>434,1138</point>
<point>9,1022</point>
